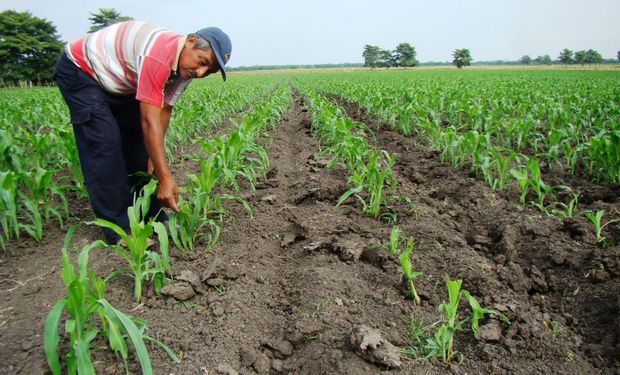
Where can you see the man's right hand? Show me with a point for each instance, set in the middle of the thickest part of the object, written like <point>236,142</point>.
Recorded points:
<point>168,193</point>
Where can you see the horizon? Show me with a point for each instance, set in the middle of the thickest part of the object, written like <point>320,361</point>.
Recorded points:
<point>272,33</point>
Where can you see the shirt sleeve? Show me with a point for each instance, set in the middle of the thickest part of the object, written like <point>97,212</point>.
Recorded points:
<point>151,81</point>
<point>172,93</point>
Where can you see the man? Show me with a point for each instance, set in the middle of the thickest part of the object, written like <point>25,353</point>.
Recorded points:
<point>120,84</point>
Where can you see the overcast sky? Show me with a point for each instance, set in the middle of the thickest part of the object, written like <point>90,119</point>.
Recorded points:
<point>321,31</point>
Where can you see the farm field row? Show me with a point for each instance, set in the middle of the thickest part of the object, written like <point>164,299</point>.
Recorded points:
<point>292,246</point>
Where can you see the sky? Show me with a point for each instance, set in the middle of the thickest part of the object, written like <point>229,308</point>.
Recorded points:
<point>271,32</point>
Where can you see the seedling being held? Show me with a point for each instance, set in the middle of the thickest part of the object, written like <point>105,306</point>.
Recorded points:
<point>143,263</point>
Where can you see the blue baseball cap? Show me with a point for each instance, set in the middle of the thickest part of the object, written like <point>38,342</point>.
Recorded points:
<point>220,43</point>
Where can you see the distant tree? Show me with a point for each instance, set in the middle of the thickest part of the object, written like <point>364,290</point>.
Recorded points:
<point>543,60</point>
<point>371,56</point>
<point>386,59</point>
<point>105,17</point>
<point>29,47</point>
<point>461,57</point>
<point>566,56</point>
<point>580,57</point>
<point>525,60</point>
<point>618,55</point>
<point>404,55</point>
<point>593,57</point>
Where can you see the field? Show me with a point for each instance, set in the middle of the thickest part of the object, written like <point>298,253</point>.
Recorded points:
<point>327,217</point>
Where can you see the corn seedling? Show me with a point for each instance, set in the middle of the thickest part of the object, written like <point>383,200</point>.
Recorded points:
<point>143,263</point>
<point>84,302</point>
<point>478,312</point>
<point>441,344</point>
<point>408,273</point>
<point>394,245</point>
<point>596,219</point>
<point>377,181</point>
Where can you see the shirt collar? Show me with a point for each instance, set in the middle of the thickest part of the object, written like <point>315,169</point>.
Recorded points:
<point>180,45</point>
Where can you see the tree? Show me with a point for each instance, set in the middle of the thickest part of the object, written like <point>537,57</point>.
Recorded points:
<point>618,55</point>
<point>386,59</point>
<point>105,17</point>
<point>580,57</point>
<point>543,60</point>
<point>462,57</point>
<point>404,55</point>
<point>593,57</point>
<point>566,56</point>
<point>371,56</point>
<point>29,47</point>
<point>525,60</point>
<point>588,57</point>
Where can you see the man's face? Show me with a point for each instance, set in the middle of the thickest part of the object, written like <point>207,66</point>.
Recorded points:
<point>196,63</point>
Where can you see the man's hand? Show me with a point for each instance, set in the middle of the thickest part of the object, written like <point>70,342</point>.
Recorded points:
<point>168,193</point>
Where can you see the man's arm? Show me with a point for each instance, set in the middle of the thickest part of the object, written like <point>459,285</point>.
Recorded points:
<point>166,114</point>
<point>155,122</point>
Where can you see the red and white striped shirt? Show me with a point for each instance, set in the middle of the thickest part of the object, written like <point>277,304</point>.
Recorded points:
<point>133,57</point>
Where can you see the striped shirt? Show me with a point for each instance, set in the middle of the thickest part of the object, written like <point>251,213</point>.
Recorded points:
<point>133,57</point>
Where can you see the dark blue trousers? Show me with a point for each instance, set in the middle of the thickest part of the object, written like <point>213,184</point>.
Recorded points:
<point>110,144</point>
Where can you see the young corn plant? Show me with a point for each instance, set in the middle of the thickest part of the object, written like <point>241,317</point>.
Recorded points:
<point>394,245</point>
<point>597,220</point>
<point>8,207</point>
<point>85,306</point>
<point>441,344</point>
<point>143,263</point>
<point>408,273</point>
<point>189,226</point>
<point>377,182</point>
<point>478,312</point>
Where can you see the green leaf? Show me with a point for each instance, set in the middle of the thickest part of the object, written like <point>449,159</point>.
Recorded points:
<point>51,338</point>
<point>134,334</point>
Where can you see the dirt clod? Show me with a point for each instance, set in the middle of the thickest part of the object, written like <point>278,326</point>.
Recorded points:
<point>372,347</point>
<point>180,291</point>
<point>226,369</point>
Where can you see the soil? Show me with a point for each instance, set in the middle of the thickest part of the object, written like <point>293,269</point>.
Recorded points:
<point>298,286</point>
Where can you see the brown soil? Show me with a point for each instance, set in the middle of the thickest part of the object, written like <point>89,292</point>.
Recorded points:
<point>301,277</point>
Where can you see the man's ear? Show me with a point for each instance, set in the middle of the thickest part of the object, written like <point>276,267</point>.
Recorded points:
<point>190,41</point>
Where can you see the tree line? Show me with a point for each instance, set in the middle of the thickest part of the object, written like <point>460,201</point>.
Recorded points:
<point>568,57</point>
<point>30,46</point>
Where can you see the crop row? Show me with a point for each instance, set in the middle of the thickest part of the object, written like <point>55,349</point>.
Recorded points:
<point>39,165</point>
<point>507,127</point>
<point>344,142</point>
<point>90,318</point>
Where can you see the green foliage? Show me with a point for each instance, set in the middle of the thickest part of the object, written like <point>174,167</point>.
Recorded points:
<point>29,47</point>
<point>371,56</point>
<point>525,60</point>
<point>597,220</point>
<point>105,17</point>
<point>588,57</point>
<point>408,273</point>
<point>143,263</point>
<point>370,170</point>
<point>543,60</point>
<point>405,55</point>
<point>461,57</point>
<point>437,340</point>
<point>90,315</point>
<point>566,56</point>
